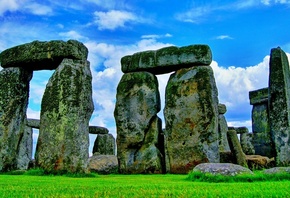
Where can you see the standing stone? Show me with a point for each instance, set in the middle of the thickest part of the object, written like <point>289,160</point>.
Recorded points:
<point>104,144</point>
<point>191,115</point>
<point>14,91</point>
<point>138,126</point>
<point>240,157</point>
<point>262,141</point>
<point>66,108</point>
<point>25,149</point>
<point>279,105</point>
<point>246,140</point>
<point>223,129</point>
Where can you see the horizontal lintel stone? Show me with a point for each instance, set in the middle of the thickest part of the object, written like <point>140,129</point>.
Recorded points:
<point>33,123</point>
<point>98,130</point>
<point>239,130</point>
<point>259,96</point>
<point>168,59</point>
<point>42,55</point>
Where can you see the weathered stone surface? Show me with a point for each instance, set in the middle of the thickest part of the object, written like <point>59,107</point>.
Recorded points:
<point>262,141</point>
<point>259,96</point>
<point>246,140</point>
<point>279,105</point>
<point>14,90</point>
<point>226,169</point>
<point>25,149</point>
<point>103,164</point>
<point>105,144</point>
<point>236,148</point>
<point>191,115</point>
<point>241,130</point>
<point>66,108</point>
<point>277,170</point>
<point>168,59</point>
<point>258,162</point>
<point>33,123</point>
<point>222,109</point>
<point>138,127</point>
<point>98,130</point>
<point>39,55</point>
<point>222,132</point>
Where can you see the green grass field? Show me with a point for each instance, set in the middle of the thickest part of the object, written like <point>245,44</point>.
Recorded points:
<point>135,186</point>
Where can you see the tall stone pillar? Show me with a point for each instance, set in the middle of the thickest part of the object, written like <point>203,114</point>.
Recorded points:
<point>279,105</point>
<point>246,140</point>
<point>223,129</point>
<point>262,141</point>
<point>191,115</point>
<point>66,108</point>
<point>14,91</point>
<point>138,127</point>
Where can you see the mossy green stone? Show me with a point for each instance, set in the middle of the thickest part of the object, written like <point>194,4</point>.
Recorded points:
<point>259,96</point>
<point>138,128</point>
<point>236,148</point>
<point>67,106</point>
<point>167,59</point>
<point>39,55</point>
<point>191,115</point>
<point>14,91</point>
<point>279,105</point>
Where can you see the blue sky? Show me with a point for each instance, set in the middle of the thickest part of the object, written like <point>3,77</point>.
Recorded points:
<point>240,33</point>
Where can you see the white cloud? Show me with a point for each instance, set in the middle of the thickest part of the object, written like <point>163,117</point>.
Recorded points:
<point>156,36</point>
<point>72,35</point>
<point>222,37</point>
<point>266,2</point>
<point>200,13</point>
<point>234,83</point>
<point>24,5</point>
<point>9,5</point>
<point>114,19</point>
<point>38,9</point>
<point>33,114</point>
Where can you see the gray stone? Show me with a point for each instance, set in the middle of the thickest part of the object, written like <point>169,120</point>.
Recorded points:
<point>246,140</point>
<point>279,105</point>
<point>14,91</point>
<point>191,115</point>
<point>103,164</point>
<point>236,148</point>
<point>222,131</point>
<point>25,149</point>
<point>277,170</point>
<point>241,130</point>
<point>105,144</point>
<point>66,108</point>
<point>168,59</point>
<point>33,123</point>
<point>98,130</point>
<point>138,127</point>
<point>262,141</point>
<point>222,109</point>
<point>226,169</point>
<point>39,55</point>
<point>259,96</point>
